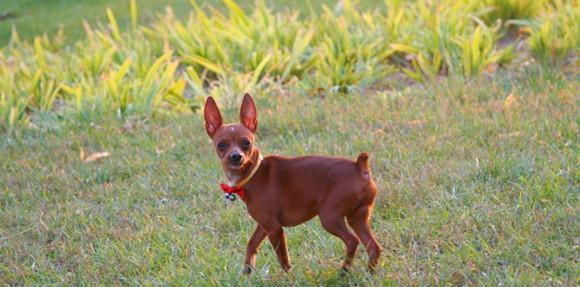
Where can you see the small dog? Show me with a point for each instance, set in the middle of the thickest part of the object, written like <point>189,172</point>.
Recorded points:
<point>283,191</point>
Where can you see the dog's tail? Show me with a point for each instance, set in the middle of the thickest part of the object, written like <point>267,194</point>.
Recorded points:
<point>362,162</point>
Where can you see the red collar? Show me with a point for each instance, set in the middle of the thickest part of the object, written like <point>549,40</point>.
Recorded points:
<point>238,188</point>
<point>231,190</point>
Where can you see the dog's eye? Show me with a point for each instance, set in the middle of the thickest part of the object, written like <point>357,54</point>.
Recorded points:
<point>221,145</point>
<point>245,143</point>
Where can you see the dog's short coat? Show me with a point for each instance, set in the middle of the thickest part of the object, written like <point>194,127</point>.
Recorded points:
<point>284,191</point>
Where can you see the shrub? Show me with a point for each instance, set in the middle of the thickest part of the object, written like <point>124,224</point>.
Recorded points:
<point>170,65</point>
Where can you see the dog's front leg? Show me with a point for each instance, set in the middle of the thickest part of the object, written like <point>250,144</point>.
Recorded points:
<point>252,249</point>
<point>278,241</point>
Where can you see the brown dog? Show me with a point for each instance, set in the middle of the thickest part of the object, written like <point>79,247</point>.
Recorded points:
<point>282,191</point>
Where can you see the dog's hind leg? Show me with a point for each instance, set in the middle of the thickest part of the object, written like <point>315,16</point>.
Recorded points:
<point>336,225</point>
<point>359,221</point>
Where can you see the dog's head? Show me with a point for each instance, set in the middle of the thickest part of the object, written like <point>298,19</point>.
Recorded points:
<point>234,143</point>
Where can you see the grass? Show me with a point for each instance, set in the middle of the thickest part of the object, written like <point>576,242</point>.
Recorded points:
<point>170,64</point>
<point>35,17</point>
<point>478,186</point>
<point>107,176</point>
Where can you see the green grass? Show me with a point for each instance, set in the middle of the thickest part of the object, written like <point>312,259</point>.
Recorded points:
<point>35,17</point>
<point>170,64</point>
<point>475,189</point>
<point>473,145</point>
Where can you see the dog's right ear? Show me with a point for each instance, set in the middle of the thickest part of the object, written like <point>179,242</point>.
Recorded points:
<point>212,116</point>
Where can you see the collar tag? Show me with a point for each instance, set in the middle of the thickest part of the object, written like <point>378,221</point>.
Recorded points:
<point>231,190</point>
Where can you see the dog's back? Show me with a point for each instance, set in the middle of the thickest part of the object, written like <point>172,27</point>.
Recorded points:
<point>303,186</point>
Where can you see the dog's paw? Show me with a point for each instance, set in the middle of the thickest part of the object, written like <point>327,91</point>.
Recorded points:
<point>344,271</point>
<point>247,270</point>
<point>287,268</point>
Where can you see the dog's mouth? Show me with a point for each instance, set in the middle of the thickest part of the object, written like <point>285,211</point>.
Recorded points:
<point>236,165</point>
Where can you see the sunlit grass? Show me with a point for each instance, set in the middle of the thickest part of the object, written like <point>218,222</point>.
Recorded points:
<point>478,186</point>
<point>171,64</point>
<point>107,177</point>
<point>555,36</point>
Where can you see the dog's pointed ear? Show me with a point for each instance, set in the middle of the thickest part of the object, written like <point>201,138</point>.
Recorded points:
<point>212,116</point>
<point>248,113</point>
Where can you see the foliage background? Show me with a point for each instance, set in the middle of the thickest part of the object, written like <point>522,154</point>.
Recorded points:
<point>468,108</point>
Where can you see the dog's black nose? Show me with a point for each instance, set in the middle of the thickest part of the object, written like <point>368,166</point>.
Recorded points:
<point>236,158</point>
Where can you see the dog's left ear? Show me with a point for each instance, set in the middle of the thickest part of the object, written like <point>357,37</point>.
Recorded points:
<point>248,113</point>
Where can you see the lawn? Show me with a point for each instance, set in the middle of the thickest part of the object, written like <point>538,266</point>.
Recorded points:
<point>107,176</point>
<point>478,185</point>
<point>35,17</point>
